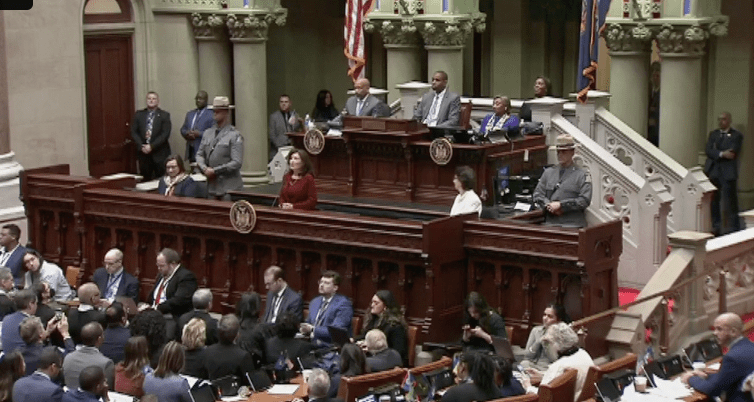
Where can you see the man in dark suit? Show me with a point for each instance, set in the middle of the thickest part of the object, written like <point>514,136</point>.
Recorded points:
<point>173,289</point>
<point>202,301</point>
<point>723,148</point>
<point>318,386</point>
<point>196,122</point>
<point>26,306</point>
<point>285,341</point>
<point>150,131</point>
<point>365,104</point>
<point>116,334</point>
<point>87,355</point>
<point>439,107</point>
<point>34,334</point>
<point>12,253</point>
<point>328,309</point>
<point>736,365</point>
<point>281,122</point>
<point>88,311</point>
<point>225,357</point>
<point>280,298</point>
<point>39,386</point>
<point>93,387</point>
<point>6,286</point>
<point>113,280</point>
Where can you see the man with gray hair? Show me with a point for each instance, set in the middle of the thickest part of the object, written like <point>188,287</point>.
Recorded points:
<point>319,385</point>
<point>381,357</point>
<point>202,301</point>
<point>565,342</point>
<point>6,286</point>
<point>113,280</point>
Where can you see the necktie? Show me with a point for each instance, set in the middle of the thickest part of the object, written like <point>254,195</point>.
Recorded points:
<point>359,106</point>
<point>159,292</point>
<point>321,314</point>
<point>276,307</point>
<point>112,280</point>
<point>150,121</point>
<point>432,117</point>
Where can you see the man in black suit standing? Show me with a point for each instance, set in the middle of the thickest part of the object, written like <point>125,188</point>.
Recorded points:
<point>173,289</point>
<point>86,312</point>
<point>226,357</point>
<point>723,148</point>
<point>150,131</point>
<point>281,297</point>
<point>113,280</point>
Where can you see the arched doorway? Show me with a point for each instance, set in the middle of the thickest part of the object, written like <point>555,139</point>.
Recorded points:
<point>108,49</point>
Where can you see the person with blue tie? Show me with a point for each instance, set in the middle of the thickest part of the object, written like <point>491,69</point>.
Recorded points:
<point>12,253</point>
<point>196,122</point>
<point>280,298</point>
<point>329,309</point>
<point>40,385</point>
<point>113,280</point>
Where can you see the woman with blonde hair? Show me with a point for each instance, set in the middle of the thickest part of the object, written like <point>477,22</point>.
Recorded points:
<point>194,339</point>
<point>130,373</point>
<point>165,382</point>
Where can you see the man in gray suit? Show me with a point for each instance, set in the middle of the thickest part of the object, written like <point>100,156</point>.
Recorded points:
<point>281,122</point>
<point>439,107</point>
<point>88,355</point>
<point>220,154</point>
<point>364,104</point>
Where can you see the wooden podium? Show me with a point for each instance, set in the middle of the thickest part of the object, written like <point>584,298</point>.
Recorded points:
<point>390,159</point>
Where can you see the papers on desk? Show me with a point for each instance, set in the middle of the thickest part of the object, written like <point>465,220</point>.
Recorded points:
<point>714,366</point>
<point>234,398</point>
<point>665,390</point>
<point>191,380</point>
<point>118,397</point>
<point>283,389</point>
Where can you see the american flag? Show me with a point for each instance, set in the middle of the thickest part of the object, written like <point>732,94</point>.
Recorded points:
<point>353,36</point>
<point>593,13</point>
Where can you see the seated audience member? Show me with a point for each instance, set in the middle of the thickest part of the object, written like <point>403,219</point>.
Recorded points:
<point>165,382</point>
<point>12,252</point>
<point>362,103</point>
<point>151,325</point>
<point>34,334</point>
<point>251,335</point>
<point>501,119</point>
<point>113,280</point>
<point>565,341</point>
<point>173,289</point>
<point>44,299</point>
<point>11,370</point>
<point>381,358</point>
<point>6,286</point>
<point>37,270</point>
<point>202,301</point>
<point>504,379</point>
<point>284,342</point>
<point>385,314</point>
<point>328,309</point>
<point>439,107</point>
<point>298,190</point>
<point>193,339</point>
<point>737,363</point>
<point>466,201</point>
<point>482,323</point>
<point>353,362</point>
<point>116,333</point>
<point>87,355</point>
<point>280,297</point>
<point>537,355</point>
<point>93,387</point>
<point>318,387</point>
<point>225,357</point>
<point>26,306</point>
<point>324,108</point>
<point>40,385</point>
<point>481,387</point>
<point>177,182</point>
<point>542,88</point>
<point>130,373</point>
<point>88,311</point>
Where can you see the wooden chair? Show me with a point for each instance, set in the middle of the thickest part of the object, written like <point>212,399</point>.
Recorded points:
<point>430,367</point>
<point>509,332</point>
<point>353,387</point>
<point>561,389</point>
<point>72,276</point>
<point>413,332</point>
<point>596,373</point>
<point>465,119</point>
<point>519,398</point>
<point>356,325</point>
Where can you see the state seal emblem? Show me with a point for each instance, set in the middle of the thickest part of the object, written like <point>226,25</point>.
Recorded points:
<point>441,151</point>
<point>243,217</point>
<point>314,141</point>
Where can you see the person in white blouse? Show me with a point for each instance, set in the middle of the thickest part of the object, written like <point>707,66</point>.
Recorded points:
<point>466,201</point>
<point>37,270</point>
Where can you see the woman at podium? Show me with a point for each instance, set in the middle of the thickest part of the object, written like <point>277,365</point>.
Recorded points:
<point>466,201</point>
<point>299,190</point>
<point>502,119</point>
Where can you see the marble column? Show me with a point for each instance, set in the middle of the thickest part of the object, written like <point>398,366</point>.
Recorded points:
<point>630,50</point>
<point>215,62</point>
<point>681,132</point>
<point>248,33</point>
<point>401,41</point>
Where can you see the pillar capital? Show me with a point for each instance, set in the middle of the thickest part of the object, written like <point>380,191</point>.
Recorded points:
<point>676,37</point>
<point>253,27</point>
<point>627,38</point>
<point>208,26</point>
<point>452,31</point>
<point>395,32</point>
<point>686,40</point>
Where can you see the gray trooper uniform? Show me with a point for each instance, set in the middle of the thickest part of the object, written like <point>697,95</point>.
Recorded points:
<point>222,150</point>
<point>572,187</point>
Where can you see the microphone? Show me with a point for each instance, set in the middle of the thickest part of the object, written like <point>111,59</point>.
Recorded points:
<point>274,201</point>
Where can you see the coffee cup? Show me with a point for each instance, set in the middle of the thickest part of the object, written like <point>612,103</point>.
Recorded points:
<point>640,383</point>
<point>306,373</point>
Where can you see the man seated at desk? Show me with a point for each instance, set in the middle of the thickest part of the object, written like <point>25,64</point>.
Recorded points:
<point>564,191</point>
<point>737,363</point>
<point>328,309</point>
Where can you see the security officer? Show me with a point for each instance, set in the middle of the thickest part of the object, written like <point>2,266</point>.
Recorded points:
<point>220,153</point>
<point>564,191</point>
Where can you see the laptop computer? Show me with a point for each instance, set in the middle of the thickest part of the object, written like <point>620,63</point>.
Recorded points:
<point>704,350</point>
<point>664,368</point>
<point>128,305</point>
<point>338,335</point>
<point>227,385</point>
<point>204,393</point>
<point>503,347</point>
<point>607,390</point>
<point>259,380</point>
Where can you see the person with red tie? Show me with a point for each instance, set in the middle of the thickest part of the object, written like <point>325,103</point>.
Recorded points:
<point>173,289</point>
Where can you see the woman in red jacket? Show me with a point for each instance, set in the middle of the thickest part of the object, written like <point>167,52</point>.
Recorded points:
<point>299,190</point>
